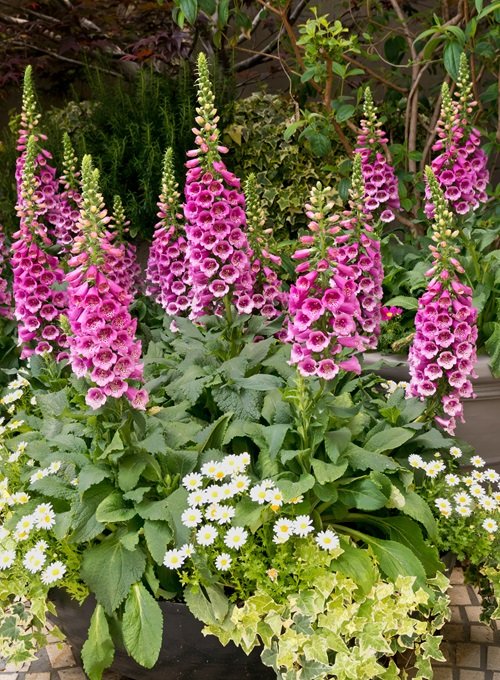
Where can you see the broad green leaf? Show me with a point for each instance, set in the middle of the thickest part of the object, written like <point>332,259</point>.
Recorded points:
<point>142,626</point>
<point>356,563</point>
<point>84,524</point>
<point>116,444</point>
<point>328,472</point>
<point>388,439</point>
<point>109,569</point>
<point>130,469</point>
<point>396,560</point>
<point>53,403</point>
<point>344,112</point>
<point>113,509</point>
<point>336,443</point>
<point>360,459</point>
<point>91,475</point>
<point>363,494</point>
<point>262,382</point>
<point>176,504</point>
<point>158,535</point>
<point>451,58</point>
<point>199,605</point>
<point>402,301</point>
<point>416,508</point>
<point>98,650</point>
<point>293,489</point>
<point>148,509</point>
<point>274,436</point>
<point>190,9</point>
<point>212,437</point>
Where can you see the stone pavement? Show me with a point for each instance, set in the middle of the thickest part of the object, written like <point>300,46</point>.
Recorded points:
<point>471,648</point>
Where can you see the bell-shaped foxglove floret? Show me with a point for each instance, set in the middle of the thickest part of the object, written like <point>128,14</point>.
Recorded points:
<point>121,264</point>
<point>66,220</point>
<point>6,310</point>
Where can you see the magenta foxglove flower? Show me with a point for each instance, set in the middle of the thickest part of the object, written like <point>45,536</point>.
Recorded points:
<point>443,353</point>
<point>381,197</point>
<point>218,252</point>
<point>167,273</point>
<point>102,342</point>
<point>322,305</point>
<point>67,215</point>
<point>461,167</point>
<point>38,296</point>
<point>5,293</point>
<point>269,298</point>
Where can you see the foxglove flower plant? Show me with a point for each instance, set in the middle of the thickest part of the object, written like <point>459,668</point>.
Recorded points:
<point>102,340</point>
<point>218,252</point>
<point>359,249</point>
<point>167,273</point>
<point>443,353</point>
<point>121,264</point>
<point>323,303</point>
<point>5,293</point>
<point>68,213</point>
<point>461,167</point>
<point>381,184</point>
<point>265,264</point>
<point>39,299</point>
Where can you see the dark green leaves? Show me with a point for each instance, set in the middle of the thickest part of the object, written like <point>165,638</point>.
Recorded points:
<point>142,626</point>
<point>98,651</point>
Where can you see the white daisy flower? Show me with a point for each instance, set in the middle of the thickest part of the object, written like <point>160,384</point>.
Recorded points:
<point>327,540</point>
<point>496,496</point>
<point>223,561</point>
<point>187,549</point>
<point>468,480</point>
<point>41,545</point>
<point>433,468</point>
<point>54,467</point>
<point>258,494</point>
<point>455,452</point>
<point>191,517</point>
<point>211,512</point>
<point>240,483</point>
<point>236,537</point>
<point>212,494</point>
<point>477,461</point>
<point>245,458</point>
<point>464,510</point>
<point>275,497</point>
<point>462,498</point>
<point>36,476</point>
<point>44,515</point>
<point>196,498</point>
<point>226,491</point>
<point>476,490</point>
<point>444,506</point>
<point>232,464</point>
<point>192,481</point>
<point>452,479</point>
<point>34,560</point>
<point>477,475</point>
<point>490,475</point>
<point>14,457</point>
<point>54,572</point>
<point>302,525</point>
<point>74,481</point>
<point>225,514</point>
<point>26,523</point>
<point>283,530</point>
<point>3,533</point>
<point>490,525</point>
<point>296,500</point>
<point>488,503</point>
<point>206,534</point>
<point>7,558</point>
<point>21,535</point>
<point>21,497</point>
<point>415,461</point>
<point>174,559</point>
<point>210,469</point>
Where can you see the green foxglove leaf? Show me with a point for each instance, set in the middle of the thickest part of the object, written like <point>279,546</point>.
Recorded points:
<point>388,439</point>
<point>363,494</point>
<point>328,472</point>
<point>336,443</point>
<point>109,569</point>
<point>360,459</point>
<point>142,626</point>
<point>397,560</point>
<point>158,535</point>
<point>113,509</point>
<point>98,651</point>
<point>357,565</point>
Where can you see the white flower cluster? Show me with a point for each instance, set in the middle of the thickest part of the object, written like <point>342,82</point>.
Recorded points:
<point>210,511</point>
<point>16,386</point>
<point>9,426</point>
<point>390,386</point>
<point>467,492</point>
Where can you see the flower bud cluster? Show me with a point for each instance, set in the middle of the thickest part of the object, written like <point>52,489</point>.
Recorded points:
<point>442,356</point>
<point>39,299</point>
<point>167,273</point>
<point>323,303</point>
<point>68,212</point>
<point>5,293</point>
<point>218,253</point>
<point>265,264</point>
<point>381,197</point>
<point>102,342</point>
<point>121,264</point>
<point>461,167</point>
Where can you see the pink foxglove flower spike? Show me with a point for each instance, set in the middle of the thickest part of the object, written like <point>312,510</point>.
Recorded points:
<point>167,273</point>
<point>381,184</point>
<point>68,213</point>
<point>265,263</point>
<point>218,252</point>
<point>38,294</point>
<point>102,342</point>
<point>121,264</point>
<point>461,167</point>
<point>443,353</point>
<point>6,310</point>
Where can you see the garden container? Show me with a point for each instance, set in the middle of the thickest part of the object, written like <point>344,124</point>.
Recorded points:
<point>481,428</point>
<point>185,654</point>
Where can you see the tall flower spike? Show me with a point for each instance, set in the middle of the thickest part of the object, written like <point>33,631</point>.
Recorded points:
<point>443,353</point>
<point>167,272</point>
<point>359,249</point>
<point>265,264</point>
<point>218,253</point>
<point>381,184</point>
<point>37,274</point>
<point>461,167</point>
<point>102,340</point>
<point>123,267</point>
<point>322,305</point>
<point>5,294</point>
<point>68,213</point>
